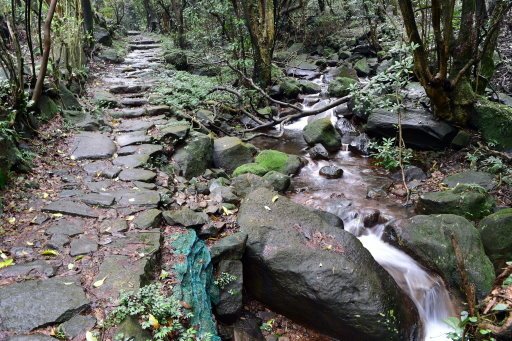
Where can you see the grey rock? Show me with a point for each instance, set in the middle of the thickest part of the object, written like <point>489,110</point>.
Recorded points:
<point>230,302</point>
<point>331,172</point>
<point>137,137</point>
<point>92,146</point>
<point>178,131</point>
<point>102,36</point>
<point>134,125</point>
<point>132,161</point>
<point>195,157</point>
<point>279,181</point>
<point>66,227</point>
<point>149,149</point>
<point>318,152</point>
<point>185,217</point>
<point>223,194</point>
<point>38,268</point>
<point>82,246</point>
<point>359,144</point>
<point>128,89</point>
<point>496,232</point>
<point>482,179</point>
<point>77,326</point>
<point>102,169</point>
<point>71,208</point>
<point>128,113</point>
<point>147,219</point>
<point>143,198</point>
<point>114,226</point>
<point>231,152</point>
<point>246,183</point>
<point>322,131</point>
<point>132,330</point>
<point>229,248</point>
<point>102,200</point>
<point>134,102</point>
<point>58,242</point>
<point>137,175</point>
<point>411,173</point>
<point>33,337</point>
<point>31,304</point>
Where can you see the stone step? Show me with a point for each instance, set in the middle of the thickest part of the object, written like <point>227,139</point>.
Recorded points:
<point>144,47</point>
<point>133,33</point>
<point>134,102</point>
<point>128,89</point>
<point>138,112</point>
<point>147,41</point>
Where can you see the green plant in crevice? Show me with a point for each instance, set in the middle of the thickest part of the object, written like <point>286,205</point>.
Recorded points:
<point>387,154</point>
<point>163,314</point>
<point>224,279</point>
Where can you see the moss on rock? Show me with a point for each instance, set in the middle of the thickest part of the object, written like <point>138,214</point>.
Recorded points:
<point>252,168</point>
<point>494,121</point>
<point>322,131</point>
<point>271,160</point>
<point>340,87</point>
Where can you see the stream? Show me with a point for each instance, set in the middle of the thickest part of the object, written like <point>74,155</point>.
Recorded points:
<point>346,197</point>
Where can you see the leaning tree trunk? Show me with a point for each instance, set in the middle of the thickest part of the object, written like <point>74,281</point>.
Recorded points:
<point>259,18</point>
<point>47,44</point>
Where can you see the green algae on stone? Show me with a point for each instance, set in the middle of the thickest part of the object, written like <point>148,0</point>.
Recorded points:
<point>494,121</point>
<point>252,168</point>
<point>340,87</point>
<point>322,131</point>
<point>496,232</point>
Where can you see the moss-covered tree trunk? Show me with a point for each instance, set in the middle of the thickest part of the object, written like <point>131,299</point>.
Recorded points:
<point>259,18</point>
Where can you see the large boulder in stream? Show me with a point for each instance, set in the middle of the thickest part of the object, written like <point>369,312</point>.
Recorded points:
<point>419,127</point>
<point>230,152</point>
<point>322,131</point>
<point>428,239</point>
<point>195,156</point>
<point>301,263</point>
<point>271,160</point>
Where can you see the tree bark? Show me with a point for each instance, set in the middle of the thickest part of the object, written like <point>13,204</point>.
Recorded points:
<point>259,19</point>
<point>88,17</point>
<point>47,44</point>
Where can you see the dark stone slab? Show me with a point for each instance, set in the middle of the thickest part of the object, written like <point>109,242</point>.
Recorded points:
<point>132,161</point>
<point>149,149</point>
<point>83,246</point>
<point>92,146</point>
<point>147,219</point>
<point>134,125</point>
<point>71,208</point>
<point>128,89</point>
<point>66,227</point>
<point>185,217</point>
<point>102,168</point>
<point>77,326</point>
<point>132,138</point>
<point>139,198</point>
<point>31,304</point>
<point>137,175</point>
<point>114,226</point>
<point>38,268</point>
<point>94,199</point>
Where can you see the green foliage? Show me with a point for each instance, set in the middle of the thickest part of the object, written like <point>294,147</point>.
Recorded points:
<point>160,312</point>
<point>479,159</point>
<point>387,154</point>
<point>267,326</point>
<point>464,323</point>
<point>224,279</point>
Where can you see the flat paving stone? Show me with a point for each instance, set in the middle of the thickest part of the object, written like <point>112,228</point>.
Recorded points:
<point>147,219</point>
<point>138,198</point>
<point>134,102</point>
<point>78,326</point>
<point>33,337</point>
<point>95,199</point>
<point>36,268</point>
<point>128,113</point>
<point>137,175</point>
<point>102,169</point>
<point>149,149</point>
<point>114,226</point>
<point>92,146</point>
<point>132,138</point>
<point>158,110</point>
<point>66,227</point>
<point>71,208</point>
<point>82,246</point>
<point>128,89</point>
<point>134,125</point>
<point>31,304</point>
<point>58,242</point>
<point>178,131</point>
<point>132,161</point>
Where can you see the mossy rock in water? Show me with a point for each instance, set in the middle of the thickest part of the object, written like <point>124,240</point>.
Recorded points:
<point>496,232</point>
<point>340,87</point>
<point>494,121</point>
<point>322,131</point>
<point>309,88</point>
<point>252,168</point>
<point>428,238</point>
<point>271,160</point>
<point>290,88</point>
<point>470,201</point>
<point>274,160</point>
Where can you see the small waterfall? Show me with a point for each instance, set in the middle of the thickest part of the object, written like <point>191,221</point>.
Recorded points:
<point>427,291</point>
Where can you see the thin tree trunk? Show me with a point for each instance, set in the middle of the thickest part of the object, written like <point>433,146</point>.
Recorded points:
<point>47,44</point>
<point>88,17</point>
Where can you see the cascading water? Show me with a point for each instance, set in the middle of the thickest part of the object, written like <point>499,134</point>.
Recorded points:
<point>345,197</point>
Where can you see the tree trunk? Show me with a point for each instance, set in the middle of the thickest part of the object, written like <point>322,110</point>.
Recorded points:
<point>178,8</point>
<point>47,44</point>
<point>259,18</point>
<point>88,17</point>
<point>149,15</point>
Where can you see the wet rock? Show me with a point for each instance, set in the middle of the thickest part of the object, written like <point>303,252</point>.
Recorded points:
<point>331,172</point>
<point>128,89</point>
<point>132,138</point>
<point>318,152</point>
<point>482,179</point>
<point>229,248</point>
<point>370,217</point>
<point>428,240</point>
<point>496,232</point>
<point>287,267</point>
<point>248,182</point>
<point>137,175</point>
<point>102,200</point>
<point>36,268</point>
<point>102,169</point>
<point>114,226</point>
<point>359,144</point>
<point>71,208</point>
<point>419,128</point>
<point>411,173</point>
<point>147,219</point>
<point>470,201</point>
<point>322,131</point>
<point>132,161</point>
<point>186,218</point>
<point>32,337</point>
<point>223,194</point>
<point>66,227</point>
<point>31,304</point>
<point>134,125</point>
<point>289,88</point>
<point>92,146</point>
<point>231,152</point>
<point>279,181</point>
<point>82,246</point>
<point>230,279</point>
<point>309,88</point>
<point>345,127</point>
<point>340,86</point>
<point>77,326</point>
<point>195,157</point>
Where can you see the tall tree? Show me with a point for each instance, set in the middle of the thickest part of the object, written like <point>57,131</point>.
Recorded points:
<point>448,74</point>
<point>259,19</point>
<point>88,16</point>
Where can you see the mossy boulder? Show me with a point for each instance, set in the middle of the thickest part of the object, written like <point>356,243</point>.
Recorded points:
<point>348,72</point>
<point>48,108</point>
<point>308,87</point>
<point>428,239</point>
<point>195,156</point>
<point>290,88</point>
<point>362,67</point>
<point>470,201</point>
<point>322,131</point>
<point>494,121</point>
<point>340,87</point>
<point>271,160</point>
<point>496,232</point>
<point>178,59</point>
<point>231,152</point>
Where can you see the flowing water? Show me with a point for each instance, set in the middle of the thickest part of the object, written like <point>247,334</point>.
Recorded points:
<point>346,197</point>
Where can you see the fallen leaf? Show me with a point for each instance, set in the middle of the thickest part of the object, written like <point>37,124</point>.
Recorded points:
<point>99,283</point>
<point>30,244</point>
<point>11,220</point>
<point>226,211</point>
<point>49,252</point>
<point>56,215</point>
<point>274,198</point>
<point>6,263</point>
<point>71,266</point>
<point>500,307</point>
<point>45,195</point>
<point>268,208</point>
<point>130,218</point>
<point>89,336</point>
<point>153,322</point>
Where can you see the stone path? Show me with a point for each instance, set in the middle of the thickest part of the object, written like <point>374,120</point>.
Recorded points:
<point>102,224</point>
